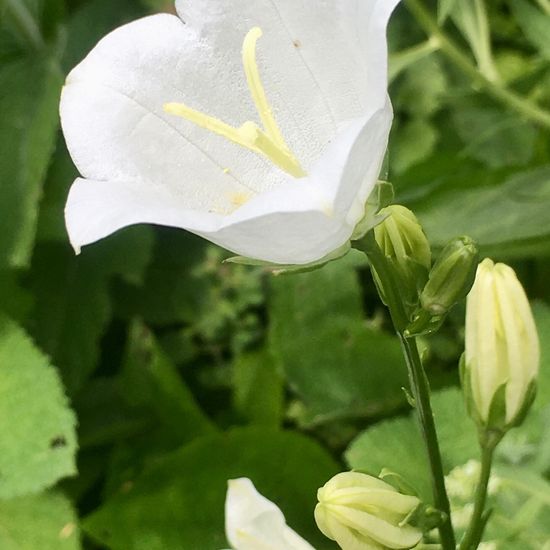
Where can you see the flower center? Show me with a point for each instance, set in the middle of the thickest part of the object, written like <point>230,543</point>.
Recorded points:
<point>267,141</point>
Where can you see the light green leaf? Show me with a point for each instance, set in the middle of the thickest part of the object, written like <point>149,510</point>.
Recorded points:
<point>414,142</point>
<point>444,8</point>
<point>40,522</point>
<point>337,365</point>
<point>37,427</point>
<point>178,502</point>
<point>397,444</point>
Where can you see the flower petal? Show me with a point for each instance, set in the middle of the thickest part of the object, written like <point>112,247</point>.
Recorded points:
<point>252,522</point>
<point>322,63</point>
<point>116,129</point>
<point>296,223</point>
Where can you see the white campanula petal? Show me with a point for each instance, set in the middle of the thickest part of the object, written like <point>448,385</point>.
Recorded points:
<point>141,164</point>
<point>252,522</point>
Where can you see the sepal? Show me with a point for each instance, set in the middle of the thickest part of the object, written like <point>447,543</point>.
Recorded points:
<point>398,481</point>
<point>425,518</point>
<point>282,269</point>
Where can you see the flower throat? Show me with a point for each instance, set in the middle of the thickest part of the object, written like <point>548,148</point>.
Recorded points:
<point>267,141</point>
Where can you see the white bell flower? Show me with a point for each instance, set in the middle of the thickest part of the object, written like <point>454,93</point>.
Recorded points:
<point>252,522</point>
<point>266,146</point>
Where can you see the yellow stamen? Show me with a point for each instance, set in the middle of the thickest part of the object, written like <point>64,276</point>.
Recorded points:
<point>268,142</point>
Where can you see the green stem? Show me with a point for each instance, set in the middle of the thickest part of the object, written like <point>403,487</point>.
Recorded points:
<point>507,97</point>
<point>418,380</point>
<point>474,533</point>
<point>25,23</point>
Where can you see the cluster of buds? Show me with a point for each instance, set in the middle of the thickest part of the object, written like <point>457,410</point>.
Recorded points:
<point>501,359</point>
<point>428,292</point>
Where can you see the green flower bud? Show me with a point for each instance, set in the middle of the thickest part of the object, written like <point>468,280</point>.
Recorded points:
<point>501,359</point>
<point>451,277</point>
<point>401,237</point>
<point>403,242</point>
<point>362,512</point>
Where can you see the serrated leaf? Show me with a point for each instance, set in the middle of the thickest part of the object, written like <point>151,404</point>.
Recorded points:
<point>40,522</point>
<point>397,444</point>
<point>37,427</point>
<point>286,467</point>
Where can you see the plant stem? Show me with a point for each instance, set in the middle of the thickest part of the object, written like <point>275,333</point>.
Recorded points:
<point>474,533</point>
<point>25,23</point>
<point>507,97</point>
<point>418,380</point>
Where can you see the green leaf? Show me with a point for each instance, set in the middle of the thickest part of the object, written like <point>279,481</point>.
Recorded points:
<point>28,128</point>
<point>172,291</point>
<point>37,427</point>
<point>337,365</point>
<point>16,301</point>
<point>179,501</point>
<point>258,388</point>
<point>444,8</point>
<point>503,219</point>
<point>72,302</point>
<point>534,23</point>
<point>40,522</point>
<point>150,380</point>
<point>397,445</point>
<point>414,142</point>
<point>494,137</point>
<point>541,312</point>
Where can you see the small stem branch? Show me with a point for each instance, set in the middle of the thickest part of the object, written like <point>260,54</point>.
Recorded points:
<point>475,530</point>
<point>25,22</point>
<point>507,97</point>
<point>419,383</point>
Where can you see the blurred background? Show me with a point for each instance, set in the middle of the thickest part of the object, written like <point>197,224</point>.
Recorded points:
<point>136,378</point>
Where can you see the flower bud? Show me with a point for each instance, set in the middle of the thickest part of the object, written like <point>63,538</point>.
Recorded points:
<point>362,512</point>
<point>401,237</point>
<point>501,359</point>
<point>403,242</point>
<point>451,277</point>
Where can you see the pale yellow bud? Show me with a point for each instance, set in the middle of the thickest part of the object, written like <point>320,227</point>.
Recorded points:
<point>361,512</point>
<point>502,345</point>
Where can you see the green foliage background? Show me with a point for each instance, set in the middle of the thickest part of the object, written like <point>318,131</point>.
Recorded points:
<point>136,378</point>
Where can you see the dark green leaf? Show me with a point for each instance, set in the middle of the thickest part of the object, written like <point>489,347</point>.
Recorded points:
<point>179,501</point>
<point>333,360</point>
